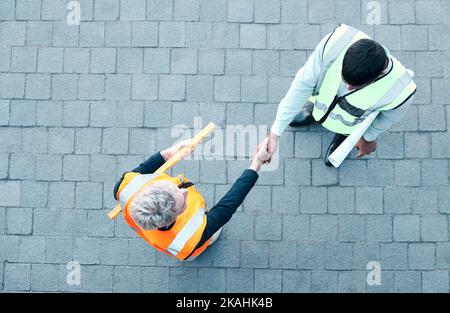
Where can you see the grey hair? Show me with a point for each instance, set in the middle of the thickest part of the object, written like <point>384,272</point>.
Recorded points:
<point>154,207</point>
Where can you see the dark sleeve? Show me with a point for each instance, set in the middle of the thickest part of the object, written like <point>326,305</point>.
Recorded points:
<point>222,212</point>
<point>151,164</point>
<point>147,167</point>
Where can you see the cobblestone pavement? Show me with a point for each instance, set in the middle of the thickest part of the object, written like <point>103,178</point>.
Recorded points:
<point>79,105</point>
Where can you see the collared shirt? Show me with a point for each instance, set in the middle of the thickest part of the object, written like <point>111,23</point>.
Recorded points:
<point>302,88</point>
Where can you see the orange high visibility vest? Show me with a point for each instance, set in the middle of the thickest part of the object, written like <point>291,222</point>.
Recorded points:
<point>185,234</point>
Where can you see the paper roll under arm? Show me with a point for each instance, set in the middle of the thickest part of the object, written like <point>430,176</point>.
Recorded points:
<point>341,152</point>
<point>173,160</point>
<point>346,147</point>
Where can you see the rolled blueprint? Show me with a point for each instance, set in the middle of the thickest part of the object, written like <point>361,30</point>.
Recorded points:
<point>347,145</point>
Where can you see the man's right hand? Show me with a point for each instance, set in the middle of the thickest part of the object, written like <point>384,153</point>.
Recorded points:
<point>260,150</point>
<point>271,148</point>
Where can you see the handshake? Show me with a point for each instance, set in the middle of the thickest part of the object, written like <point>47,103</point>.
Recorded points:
<point>264,151</point>
<point>262,154</point>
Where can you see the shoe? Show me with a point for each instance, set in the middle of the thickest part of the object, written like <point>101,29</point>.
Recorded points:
<point>337,140</point>
<point>305,116</point>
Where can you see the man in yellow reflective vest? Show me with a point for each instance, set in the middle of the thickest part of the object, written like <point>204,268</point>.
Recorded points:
<point>170,214</point>
<point>346,78</point>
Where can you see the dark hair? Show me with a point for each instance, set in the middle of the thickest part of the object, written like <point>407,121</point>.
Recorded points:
<point>363,62</point>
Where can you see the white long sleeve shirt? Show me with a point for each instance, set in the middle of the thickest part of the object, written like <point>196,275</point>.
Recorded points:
<point>302,88</point>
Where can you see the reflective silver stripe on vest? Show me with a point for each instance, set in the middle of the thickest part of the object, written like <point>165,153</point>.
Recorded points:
<point>321,106</point>
<point>338,117</point>
<point>187,232</point>
<point>389,96</point>
<point>134,185</point>
<point>394,91</point>
<point>345,39</point>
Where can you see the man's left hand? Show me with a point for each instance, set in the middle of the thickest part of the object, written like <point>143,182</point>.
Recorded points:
<point>365,147</point>
<point>169,152</point>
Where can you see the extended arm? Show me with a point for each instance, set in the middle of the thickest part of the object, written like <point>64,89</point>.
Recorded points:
<point>302,87</point>
<point>222,212</point>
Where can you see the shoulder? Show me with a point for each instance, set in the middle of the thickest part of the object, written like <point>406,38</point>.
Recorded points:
<point>323,43</point>
<point>123,181</point>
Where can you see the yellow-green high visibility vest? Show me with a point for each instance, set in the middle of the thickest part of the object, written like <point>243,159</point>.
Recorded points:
<point>342,114</point>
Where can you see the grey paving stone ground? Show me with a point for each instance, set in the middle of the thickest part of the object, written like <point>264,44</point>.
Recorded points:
<point>81,104</point>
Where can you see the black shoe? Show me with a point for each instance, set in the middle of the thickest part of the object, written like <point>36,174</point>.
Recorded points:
<point>337,140</point>
<point>305,116</point>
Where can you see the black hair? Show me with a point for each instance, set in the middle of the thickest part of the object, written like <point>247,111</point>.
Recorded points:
<point>364,61</point>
